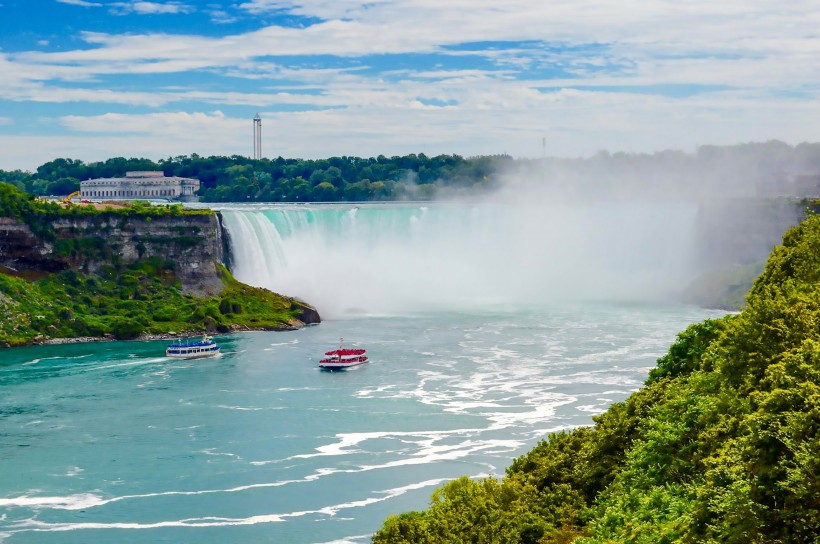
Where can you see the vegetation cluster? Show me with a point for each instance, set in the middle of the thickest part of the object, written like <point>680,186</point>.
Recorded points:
<point>125,303</point>
<point>721,444</point>
<point>240,179</point>
<point>771,168</point>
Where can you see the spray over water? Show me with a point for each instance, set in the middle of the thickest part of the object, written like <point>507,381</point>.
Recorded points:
<point>405,258</point>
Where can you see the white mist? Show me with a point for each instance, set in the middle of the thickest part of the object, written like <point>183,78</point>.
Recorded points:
<point>400,259</point>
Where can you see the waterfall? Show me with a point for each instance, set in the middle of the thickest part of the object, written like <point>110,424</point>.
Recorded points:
<point>395,259</point>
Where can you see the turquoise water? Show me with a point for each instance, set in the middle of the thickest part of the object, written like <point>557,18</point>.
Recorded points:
<point>473,361</point>
<point>113,442</point>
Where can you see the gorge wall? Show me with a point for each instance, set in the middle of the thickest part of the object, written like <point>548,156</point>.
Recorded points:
<point>743,231</point>
<point>733,239</point>
<point>192,242</point>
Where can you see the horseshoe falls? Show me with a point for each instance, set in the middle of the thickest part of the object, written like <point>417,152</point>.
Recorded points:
<point>487,327</point>
<point>404,259</point>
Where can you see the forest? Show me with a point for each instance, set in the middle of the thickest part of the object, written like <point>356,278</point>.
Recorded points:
<point>764,169</point>
<point>720,445</point>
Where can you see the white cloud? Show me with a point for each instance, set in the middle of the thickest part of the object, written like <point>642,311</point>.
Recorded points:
<point>176,124</point>
<point>82,3</point>
<point>5,120</point>
<point>754,54</point>
<point>631,31</point>
<point>221,17</point>
<point>485,122</point>
<point>149,8</point>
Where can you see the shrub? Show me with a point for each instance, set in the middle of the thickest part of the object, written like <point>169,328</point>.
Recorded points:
<point>126,329</point>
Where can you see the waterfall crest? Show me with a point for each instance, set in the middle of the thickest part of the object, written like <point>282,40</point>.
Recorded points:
<point>399,259</point>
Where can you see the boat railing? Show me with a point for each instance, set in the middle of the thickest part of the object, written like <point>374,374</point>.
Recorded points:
<point>206,341</point>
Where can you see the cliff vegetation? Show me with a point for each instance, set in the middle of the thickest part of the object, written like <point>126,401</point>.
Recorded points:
<point>721,444</point>
<point>76,272</point>
<point>142,299</point>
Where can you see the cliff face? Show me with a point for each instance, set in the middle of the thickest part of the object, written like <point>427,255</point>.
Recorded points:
<point>737,232</point>
<point>191,242</point>
<point>21,250</point>
<point>733,239</point>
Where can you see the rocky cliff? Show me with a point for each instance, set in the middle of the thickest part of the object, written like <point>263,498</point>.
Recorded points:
<point>191,243</point>
<point>737,232</point>
<point>734,238</point>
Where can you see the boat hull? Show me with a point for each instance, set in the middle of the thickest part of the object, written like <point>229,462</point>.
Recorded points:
<point>336,365</point>
<point>342,359</point>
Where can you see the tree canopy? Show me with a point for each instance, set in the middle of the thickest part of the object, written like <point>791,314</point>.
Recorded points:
<point>240,179</point>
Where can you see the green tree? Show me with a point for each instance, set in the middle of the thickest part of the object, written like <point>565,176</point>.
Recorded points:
<point>325,192</point>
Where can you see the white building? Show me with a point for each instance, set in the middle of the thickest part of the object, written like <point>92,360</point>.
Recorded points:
<point>140,186</point>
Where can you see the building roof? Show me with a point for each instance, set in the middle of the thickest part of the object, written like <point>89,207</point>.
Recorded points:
<point>152,179</point>
<point>145,174</point>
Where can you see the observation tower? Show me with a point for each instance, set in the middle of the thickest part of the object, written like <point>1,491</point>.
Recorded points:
<point>257,137</point>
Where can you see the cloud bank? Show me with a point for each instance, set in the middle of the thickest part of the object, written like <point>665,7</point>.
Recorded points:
<point>400,76</point>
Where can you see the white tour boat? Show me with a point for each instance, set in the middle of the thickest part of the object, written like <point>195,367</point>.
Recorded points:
<point>193,350</point>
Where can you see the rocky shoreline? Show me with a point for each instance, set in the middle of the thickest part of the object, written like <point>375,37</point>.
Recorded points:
<point>147,337</point>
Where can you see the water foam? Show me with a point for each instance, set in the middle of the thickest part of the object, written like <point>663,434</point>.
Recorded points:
<point>214,521</point>
<point>80,501</point>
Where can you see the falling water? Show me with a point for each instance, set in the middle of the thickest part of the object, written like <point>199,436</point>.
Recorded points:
<point>398,259</point>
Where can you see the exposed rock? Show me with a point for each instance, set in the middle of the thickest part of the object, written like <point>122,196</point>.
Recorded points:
<point>192,243</point>
<point>307,315</point>
<point>192,246</point>
<point>20,249</point>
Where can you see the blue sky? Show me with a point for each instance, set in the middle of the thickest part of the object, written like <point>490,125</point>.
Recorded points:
<point>92,79</point>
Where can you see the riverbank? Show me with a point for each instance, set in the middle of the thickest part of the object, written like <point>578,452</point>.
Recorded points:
<point>143,301</point>
<point>150,337</point>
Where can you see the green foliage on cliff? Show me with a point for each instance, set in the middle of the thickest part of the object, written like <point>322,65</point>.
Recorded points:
<point>141,299</point>
<point>25,207</point>
<point>720,445</point>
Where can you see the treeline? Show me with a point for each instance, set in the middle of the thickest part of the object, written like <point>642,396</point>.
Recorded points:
<point>764,169</point>
<point>240,179</point>
<point>61,177</point>
<point>767,169</point>
<point>720,445</point>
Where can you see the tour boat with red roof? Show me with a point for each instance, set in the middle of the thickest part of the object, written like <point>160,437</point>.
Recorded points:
<point>341,359</point>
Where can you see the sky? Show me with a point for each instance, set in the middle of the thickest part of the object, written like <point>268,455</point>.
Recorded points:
<point>93,79</point>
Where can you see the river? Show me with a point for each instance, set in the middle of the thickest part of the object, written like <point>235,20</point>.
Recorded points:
<point>112,442</point>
